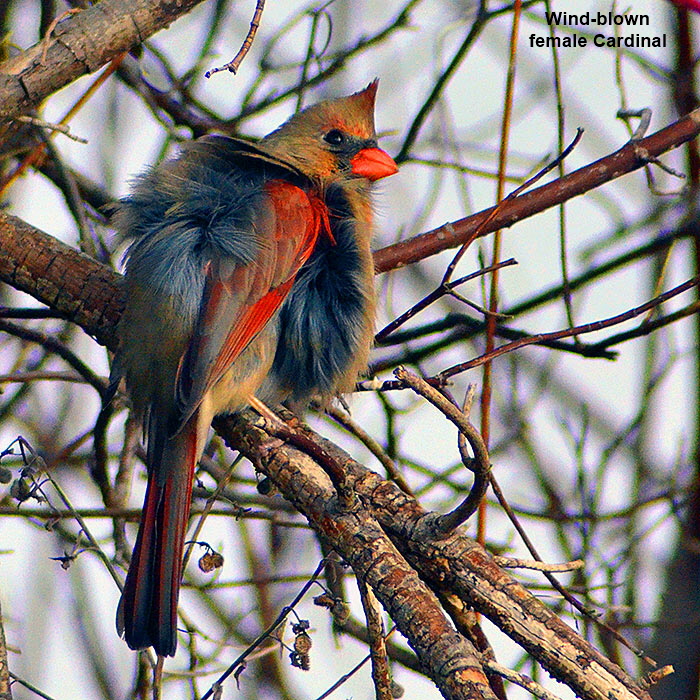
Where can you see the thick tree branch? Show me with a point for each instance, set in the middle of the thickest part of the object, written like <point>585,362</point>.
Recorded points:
<point>85,291</point>
<point>81,44</point>
<point>449,658</point>
<point>455,564</point>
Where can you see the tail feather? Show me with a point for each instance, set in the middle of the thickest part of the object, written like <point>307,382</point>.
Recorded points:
<point>147,613</point>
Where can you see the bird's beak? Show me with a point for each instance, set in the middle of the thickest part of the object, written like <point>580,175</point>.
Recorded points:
<point>373,163</point>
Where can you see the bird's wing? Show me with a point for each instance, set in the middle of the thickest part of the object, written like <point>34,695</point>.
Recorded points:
<point>239,300</point>
<point>217,146</point>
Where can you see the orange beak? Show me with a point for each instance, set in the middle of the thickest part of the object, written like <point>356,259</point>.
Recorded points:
<point>373,163</point>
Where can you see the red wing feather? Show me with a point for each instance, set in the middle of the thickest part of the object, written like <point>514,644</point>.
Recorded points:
<point>252,322</point>
<point>238,303</point>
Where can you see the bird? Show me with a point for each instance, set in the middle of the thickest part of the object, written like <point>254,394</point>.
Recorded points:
<point>248,278</point>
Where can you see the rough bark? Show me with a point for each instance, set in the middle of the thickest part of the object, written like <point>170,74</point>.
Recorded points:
<point>456,564</point>
<point>81,44</point>
<point>87,292</point>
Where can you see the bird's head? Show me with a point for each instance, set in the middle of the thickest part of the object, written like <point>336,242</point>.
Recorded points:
<point>333,140</point>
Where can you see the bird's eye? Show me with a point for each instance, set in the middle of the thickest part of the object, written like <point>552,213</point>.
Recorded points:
<point>334,137</point>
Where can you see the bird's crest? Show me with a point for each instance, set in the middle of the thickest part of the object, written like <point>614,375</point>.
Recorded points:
<point>301,142</point>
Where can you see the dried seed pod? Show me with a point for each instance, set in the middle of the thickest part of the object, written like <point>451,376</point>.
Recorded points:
<point>210,561</point>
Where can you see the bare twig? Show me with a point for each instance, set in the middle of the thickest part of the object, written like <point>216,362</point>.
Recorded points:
<point>41,375</point>
<point>62,128</point>
<point>49,342</point>
<point>522,680</point>
<point>503,200</point>
<point>344,678</point>
<point>555,583</point>
<point>52,26</point>
<point>371,444</point>
<point>94,544</point>
<point>647,327</point>
<point>578,330</point>
<point>644,116</point>
<point>480,465</point>
<point>26,684</point>
<point>446,287</point>
<point>381,673</point>
<point>284,613</point>
<point>511,563</point>
<point>233,65</point>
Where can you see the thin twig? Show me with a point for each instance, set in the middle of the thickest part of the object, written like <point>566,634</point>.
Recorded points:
<point>62,128</point>
<point>233,65</point>
<point>49,30</point>
<point>585,328</point>
<point>49,342</point>
<point>371,444</point>
<point>660,244</point>
<point>493,294</point>
<point>14,312</point>
<point>215,688</point>
<point>208,506</point>
<point>644,116</point>
<point>441,83</point>
<point>480,465</point>
<point>520,679</point>
<point>462,328</point>
<point>133,514</point>
<point>575,602</point>
<point>345,677</point>
<point>381,673</point>
<point>561,127</point>
<point>647,327</point>
<point>43,375</point>
<point>511,563</point>
<point>94,544</point>
<point>442,290</point>
<point>29,686</point>
<point>494,211</point>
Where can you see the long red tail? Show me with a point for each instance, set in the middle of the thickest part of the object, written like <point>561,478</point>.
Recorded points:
<point>147,613</point>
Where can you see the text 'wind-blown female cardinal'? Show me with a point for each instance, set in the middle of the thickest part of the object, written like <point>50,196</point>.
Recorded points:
<point>249,275</point>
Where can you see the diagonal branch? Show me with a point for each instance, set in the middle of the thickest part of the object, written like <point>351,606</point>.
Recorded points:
<point>456,563</point>
<point>81,44</point>
<point>632,156</point>
<point>452,662</point>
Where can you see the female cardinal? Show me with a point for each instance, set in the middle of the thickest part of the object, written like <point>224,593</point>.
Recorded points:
<point>249,275</point>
